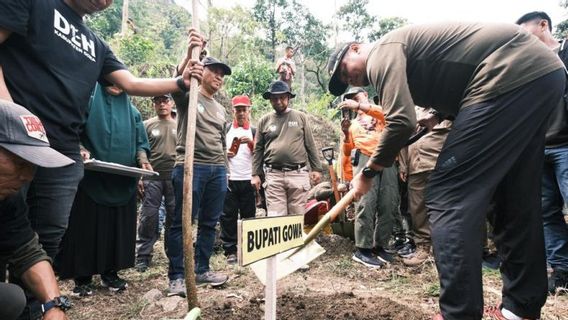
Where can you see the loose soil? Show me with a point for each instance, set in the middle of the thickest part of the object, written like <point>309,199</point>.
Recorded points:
<point>334,287</point>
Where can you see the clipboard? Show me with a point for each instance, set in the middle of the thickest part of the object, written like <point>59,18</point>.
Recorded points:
<point>115,168</point>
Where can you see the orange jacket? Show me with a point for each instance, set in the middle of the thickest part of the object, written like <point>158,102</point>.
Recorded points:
<point>361,138</point>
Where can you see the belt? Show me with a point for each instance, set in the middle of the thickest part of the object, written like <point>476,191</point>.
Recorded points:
<point>286,167</point>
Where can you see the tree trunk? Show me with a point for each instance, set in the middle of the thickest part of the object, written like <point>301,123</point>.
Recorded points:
<point>124,24</point>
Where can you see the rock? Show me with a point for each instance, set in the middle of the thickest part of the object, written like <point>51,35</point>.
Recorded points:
<point>170,304</point>
<point>152,295</point>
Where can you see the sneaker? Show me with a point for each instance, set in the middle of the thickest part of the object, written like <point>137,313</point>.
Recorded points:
<point>396,243</point>
<point>113,282</point>
<point>232,259</point>
<point>558,281</point>
<point>212,278</point>
<point>176,288</point>
<point>407,249</point>
<point>367,260</point>
<point>417,258</point>
<point>491,261</point>
<point>142,266</point>
<point>383,255</point>
<point>496,313</point>
<point>83,290</point>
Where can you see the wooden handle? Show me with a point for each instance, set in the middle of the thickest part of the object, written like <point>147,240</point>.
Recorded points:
<point>330,216</point>
<point>188,177</point>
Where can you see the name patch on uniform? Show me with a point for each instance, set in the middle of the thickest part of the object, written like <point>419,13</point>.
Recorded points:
<point>155,132</point>
<point>292,123</point>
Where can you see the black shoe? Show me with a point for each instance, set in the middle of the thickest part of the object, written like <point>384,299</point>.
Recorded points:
<point>558,281</point>
<point>142,266</point>
<point>367,260</point>
<point>82,290</point>
<point>383,255</point>
<point>113,282</point>
<point>491,261</point>
<point>408,249</point>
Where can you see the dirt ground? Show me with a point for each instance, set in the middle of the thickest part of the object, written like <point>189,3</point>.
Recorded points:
<point>335,287</point>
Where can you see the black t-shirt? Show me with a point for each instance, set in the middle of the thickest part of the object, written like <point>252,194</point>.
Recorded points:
<point>51,63</point>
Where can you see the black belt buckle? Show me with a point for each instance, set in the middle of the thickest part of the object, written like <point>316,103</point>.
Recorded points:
<point>286,168</point>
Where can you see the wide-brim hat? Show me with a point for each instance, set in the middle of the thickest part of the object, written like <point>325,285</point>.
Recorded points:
<point>277,87</point>
<point>23,134</point>
<point>336,86</point>
<point>210,61</point>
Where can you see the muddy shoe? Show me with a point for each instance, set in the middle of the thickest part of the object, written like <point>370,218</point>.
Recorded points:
<point>491,260</point>
<point>416,258</point>
<point>176,288</point>
<point>367,260</point>
<point>212,278</point>
<point>498,313</point>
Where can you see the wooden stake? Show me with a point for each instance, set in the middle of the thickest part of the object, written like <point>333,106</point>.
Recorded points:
<point>270,289</point>
<point>188,176</point>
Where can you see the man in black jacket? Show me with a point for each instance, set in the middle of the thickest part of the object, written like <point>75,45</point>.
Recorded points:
<point>24,145</point>
<point>555,171</point>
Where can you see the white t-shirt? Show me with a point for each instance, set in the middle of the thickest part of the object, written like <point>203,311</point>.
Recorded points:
<point>240,165</point>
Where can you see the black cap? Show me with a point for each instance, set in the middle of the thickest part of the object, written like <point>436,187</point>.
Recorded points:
<point>23,134</point>
<point>277,87</point>
<point>210,61</point>
<point>336,86</point>
<point>352,92</point>
<point>167,95</point>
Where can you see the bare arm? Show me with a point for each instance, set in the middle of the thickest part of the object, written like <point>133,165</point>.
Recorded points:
<point>40,279</point>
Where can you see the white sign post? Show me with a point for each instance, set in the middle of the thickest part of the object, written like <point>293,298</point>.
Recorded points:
<point>263,238</point>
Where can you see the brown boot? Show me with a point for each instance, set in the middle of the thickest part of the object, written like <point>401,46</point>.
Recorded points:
<point>418,257</point>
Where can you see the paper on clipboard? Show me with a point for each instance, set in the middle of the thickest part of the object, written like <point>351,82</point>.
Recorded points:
<point>115,168</point>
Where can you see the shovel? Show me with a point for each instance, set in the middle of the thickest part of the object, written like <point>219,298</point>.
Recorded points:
<point>293,259</point>
<point>328,155</point>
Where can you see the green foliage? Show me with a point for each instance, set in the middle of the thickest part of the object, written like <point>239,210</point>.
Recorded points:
<point>322,106</point>
<point>106,23</point>
<point>269,13</point>
<point>135,49</point>
<point>251,76</point>
<point>356,19</point>
<point>385,26</point>
<point>561,31</point>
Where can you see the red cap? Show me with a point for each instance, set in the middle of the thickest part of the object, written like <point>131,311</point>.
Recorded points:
<point>241,101</point>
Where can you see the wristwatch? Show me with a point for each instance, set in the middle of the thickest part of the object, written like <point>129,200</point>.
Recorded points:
<point>61,302</point>
<point>370,172</point>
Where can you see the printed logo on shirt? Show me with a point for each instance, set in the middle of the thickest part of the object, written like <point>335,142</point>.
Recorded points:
<point>272,128</point>
<point>71,34</point>
<point>34,127</point>
<point>155,132</point>
<point>174,132</point>
<point>292,124</point>
<point>200,108</point>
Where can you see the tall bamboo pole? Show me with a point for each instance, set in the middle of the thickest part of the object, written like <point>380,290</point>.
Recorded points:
<point>188,176</point>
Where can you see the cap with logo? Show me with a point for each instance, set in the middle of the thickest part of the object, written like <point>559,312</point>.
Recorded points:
<point>23,134</point>
<point>240,101</point>
<point>336,86</point>
<point>210,61</point>
<point>277,87</point>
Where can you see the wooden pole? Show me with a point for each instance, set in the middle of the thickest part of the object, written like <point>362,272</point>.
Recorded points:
<point>124,22</point>
<point>188,177</point>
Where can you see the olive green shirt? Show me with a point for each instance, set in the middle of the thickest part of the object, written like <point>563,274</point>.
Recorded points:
<point>448,66</point>
<point>162,139</point>
<point>209,130</point>
<point>284,139</point>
